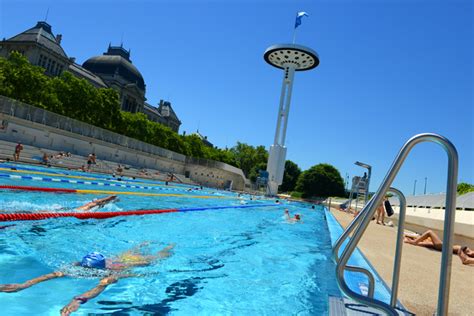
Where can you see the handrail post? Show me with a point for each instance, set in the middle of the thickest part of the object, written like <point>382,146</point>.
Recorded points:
<point>398,249</point>
<point>449,219</point>
<point>349,230</point>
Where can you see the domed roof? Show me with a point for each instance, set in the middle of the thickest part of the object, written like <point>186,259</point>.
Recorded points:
<point>115,61</point>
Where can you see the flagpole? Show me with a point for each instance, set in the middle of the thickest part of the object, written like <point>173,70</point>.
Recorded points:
<point>294,31</point>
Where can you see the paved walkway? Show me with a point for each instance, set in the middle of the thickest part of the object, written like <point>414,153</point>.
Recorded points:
<point>419,277</point>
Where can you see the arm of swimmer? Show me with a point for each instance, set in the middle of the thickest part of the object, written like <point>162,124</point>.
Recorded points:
<point>76,302</point>
<point>162,254</point>
<point>9,288</point>
<point>86,207</point>
<point>166,252</point>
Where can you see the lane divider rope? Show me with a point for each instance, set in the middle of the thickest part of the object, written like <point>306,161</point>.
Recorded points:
<point>79,177</point>
<point>6,217</point>
<point>13,176</point>
<point>60,190</point>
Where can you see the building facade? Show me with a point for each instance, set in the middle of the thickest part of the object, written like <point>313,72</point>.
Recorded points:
<point>113,69</point>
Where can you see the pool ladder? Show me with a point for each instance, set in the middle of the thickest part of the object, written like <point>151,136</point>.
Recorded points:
<point>360,223</point>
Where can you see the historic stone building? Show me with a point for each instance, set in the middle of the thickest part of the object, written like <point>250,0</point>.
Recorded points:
<point>113,69</point>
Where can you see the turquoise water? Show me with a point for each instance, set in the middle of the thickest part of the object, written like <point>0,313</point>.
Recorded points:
<point>238,261</point>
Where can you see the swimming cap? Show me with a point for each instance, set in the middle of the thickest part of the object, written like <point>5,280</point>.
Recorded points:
<point>93,260</point>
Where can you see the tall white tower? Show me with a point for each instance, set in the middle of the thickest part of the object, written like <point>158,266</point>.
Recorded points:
<point>290,58</point>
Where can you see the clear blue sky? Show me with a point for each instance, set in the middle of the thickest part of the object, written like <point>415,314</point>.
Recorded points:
<point>389,69</point>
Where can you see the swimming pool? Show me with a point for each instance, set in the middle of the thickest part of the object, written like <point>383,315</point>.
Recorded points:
<point>226,261</point>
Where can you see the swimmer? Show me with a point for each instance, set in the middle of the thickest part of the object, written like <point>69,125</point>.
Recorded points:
<point>294,219</point>
<point>99,203</point>
<point>115,268</point>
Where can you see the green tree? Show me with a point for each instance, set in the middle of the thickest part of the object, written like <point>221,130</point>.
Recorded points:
<point>290,176</point>
<point>464,188</point>
<point>247,156</point>
<point>254,172</point>
<point>322,180</point>
<point>27,83</point>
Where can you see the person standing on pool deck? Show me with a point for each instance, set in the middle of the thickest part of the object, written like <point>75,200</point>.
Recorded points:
<point>89,162</point>
<point>18,149</point>
<point>116,269</point>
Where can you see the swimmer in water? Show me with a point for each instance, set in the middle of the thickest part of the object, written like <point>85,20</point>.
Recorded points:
<point>115,268</point>
<point>99,203</point>
<point>294,219</point>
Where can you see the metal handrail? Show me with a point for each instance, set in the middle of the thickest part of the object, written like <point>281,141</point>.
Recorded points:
<point>343,238</point>
<point>396,268</point>
<point>346,233</point>
<point>369,210</point>
<point>398,248</point>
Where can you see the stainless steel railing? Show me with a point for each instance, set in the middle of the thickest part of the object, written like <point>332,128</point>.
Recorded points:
<point>396,268</point>
<point>344,236</point>
<point>363,219</point>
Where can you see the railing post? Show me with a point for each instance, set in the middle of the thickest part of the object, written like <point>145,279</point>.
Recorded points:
<point>398,248</point>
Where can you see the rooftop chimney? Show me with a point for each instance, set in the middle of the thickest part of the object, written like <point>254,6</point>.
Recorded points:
<point>59,37</point>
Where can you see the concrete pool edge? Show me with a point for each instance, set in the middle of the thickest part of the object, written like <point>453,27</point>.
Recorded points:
<point>355,281</point>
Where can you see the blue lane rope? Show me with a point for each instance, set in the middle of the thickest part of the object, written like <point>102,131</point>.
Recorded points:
<point>47,179</point>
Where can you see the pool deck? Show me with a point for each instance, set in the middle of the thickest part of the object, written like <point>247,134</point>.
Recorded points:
<point>419,276</point>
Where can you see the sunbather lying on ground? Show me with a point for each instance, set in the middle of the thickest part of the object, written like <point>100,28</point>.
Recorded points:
<point>430,240</point>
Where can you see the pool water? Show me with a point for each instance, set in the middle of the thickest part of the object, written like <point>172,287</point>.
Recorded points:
<point>238,261</point>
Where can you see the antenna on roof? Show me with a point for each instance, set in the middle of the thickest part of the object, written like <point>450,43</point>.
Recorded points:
<point>121,40</point>
<point>47,13</point>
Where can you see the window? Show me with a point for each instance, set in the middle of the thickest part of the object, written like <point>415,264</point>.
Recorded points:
<point>48,67</point>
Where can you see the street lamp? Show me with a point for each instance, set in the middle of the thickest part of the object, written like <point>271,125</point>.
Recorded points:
<point>426,180</point>
<point>414,188</point>
<point>369,172</point>
<point>290,58</point>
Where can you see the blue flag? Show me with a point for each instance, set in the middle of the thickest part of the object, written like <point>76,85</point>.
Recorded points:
<point>299,16</point>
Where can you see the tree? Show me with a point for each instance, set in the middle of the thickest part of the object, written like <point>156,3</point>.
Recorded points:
<point>247,156</point>
<point>322,180</point>
<point>27,83</point>
<point>464,188</point>
<point>254,172</point>
<point>290,176</point>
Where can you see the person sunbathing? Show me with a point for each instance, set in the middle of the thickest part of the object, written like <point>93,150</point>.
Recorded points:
<point>430,240</point>
<point>466,255</point>
<point>112,270</point>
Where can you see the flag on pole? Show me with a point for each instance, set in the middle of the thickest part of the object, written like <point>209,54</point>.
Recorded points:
<point>299,16</point>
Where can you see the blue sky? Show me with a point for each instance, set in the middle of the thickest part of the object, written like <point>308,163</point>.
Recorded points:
<point>389,70</point>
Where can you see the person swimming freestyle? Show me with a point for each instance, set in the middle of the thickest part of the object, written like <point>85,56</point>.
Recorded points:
<point>114,269</point>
